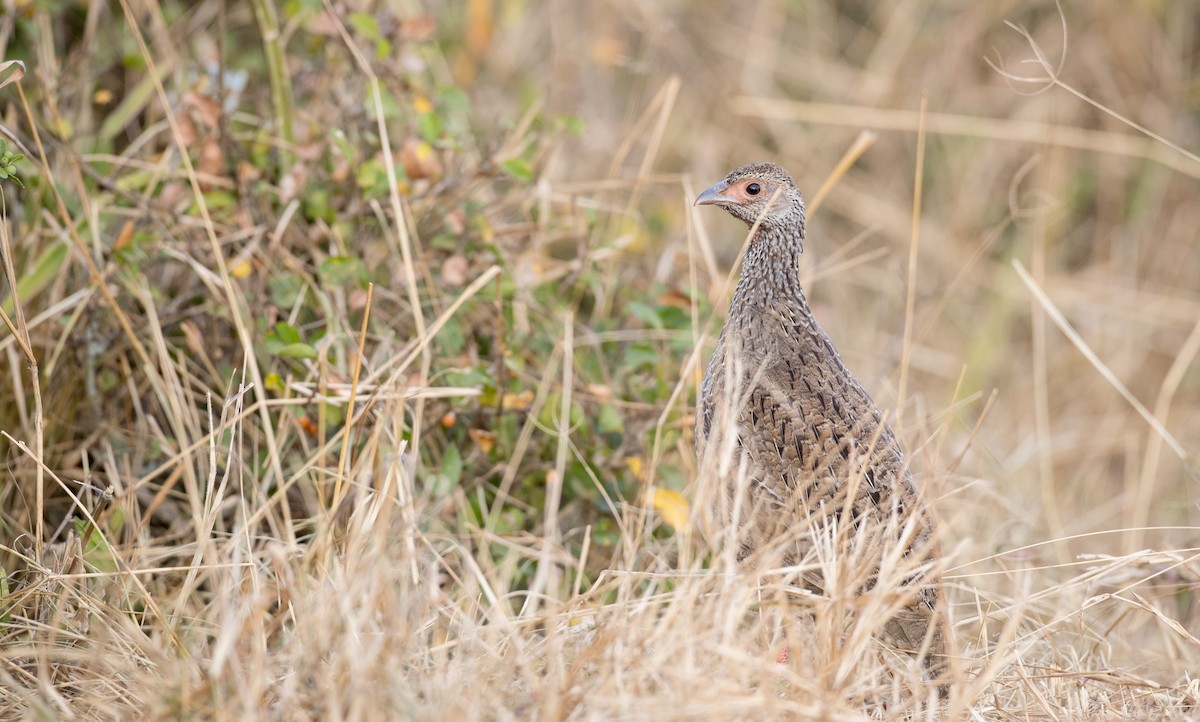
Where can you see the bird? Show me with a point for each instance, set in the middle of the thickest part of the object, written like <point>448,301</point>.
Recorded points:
<point>799,446</point>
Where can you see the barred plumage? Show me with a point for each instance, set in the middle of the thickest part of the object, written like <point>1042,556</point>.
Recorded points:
<point>816,449</point>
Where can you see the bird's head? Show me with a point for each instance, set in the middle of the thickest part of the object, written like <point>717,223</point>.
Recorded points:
<point>759,192</point>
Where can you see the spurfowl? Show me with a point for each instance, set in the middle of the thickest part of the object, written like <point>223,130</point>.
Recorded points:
<point>803,454</point>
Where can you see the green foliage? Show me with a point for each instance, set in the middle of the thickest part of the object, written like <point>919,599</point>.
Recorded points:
<point>285,341</point>
<point>45,269</point>
<point>97,553</point>
<point>518,168</point>
<point>304,223</point>
<point>8,164</point>
<point>342,271</point>
<point>366,25</point>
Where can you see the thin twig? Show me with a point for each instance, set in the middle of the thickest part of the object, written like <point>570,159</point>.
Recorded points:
<point>1070,332</point>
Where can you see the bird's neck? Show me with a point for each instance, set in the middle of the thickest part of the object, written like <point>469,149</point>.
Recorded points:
<point>771,269</point>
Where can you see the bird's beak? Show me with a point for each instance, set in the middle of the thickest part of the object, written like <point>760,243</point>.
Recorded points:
<point>712,196</point>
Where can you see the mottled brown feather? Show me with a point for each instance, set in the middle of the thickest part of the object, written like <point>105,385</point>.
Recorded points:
<point>813,441</point>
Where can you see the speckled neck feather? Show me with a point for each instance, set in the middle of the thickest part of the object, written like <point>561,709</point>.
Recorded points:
<point>771,268</point>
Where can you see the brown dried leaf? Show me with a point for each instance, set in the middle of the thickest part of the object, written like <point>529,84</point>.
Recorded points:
<point>310,151</point>
<point>124,237</point>
<point>454,270</point>
<point>18,71</point>
<point>485,440</point>
<point>675,298</point>
<point>519,401</point>
<point>212,158</point>
<point>600,391</point>
<point>456,222</point>
<point>188,132</point>
<point>418,28</point>
<point>419,159</point>
<point>203,108</point>
<point>248,172</point>
<point>172,193</point>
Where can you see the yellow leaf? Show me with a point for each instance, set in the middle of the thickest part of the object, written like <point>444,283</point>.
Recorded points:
<point>240,269</point>
<point>421,104</point>
<point>486,232</point>
<point>518,401</point>
<point>636,466</point>
<point>673,508</point>
<point>419,160</point>
<point>273,382</point>
<point>63,127</point>
<point>485,440</point>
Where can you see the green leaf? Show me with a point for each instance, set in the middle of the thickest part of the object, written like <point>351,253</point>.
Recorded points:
<point>605,533</point>
<point>216,200</point>
<point>648,315</point>
<point>318,206</point>
<point>96,553</point>
<point>45,270</point>
<point>430,127</point>
<point>383,48</point>
<point>287,333</point>
<point>342,143</point>
<point>107,380</point>
<point>450,473</point>
<point>572,124</point>
<point>552,410</point>
<point>296,350</point>
<point>342,270</point>
<point>365,24</point>
<point>116,521</point>
<point>285,341</point>
<point>518,168</point>
<point>6,617</point>
<point>511,520</point>
<point>453,98</point>
<point>638,354</point>
<point>452,464</point>
<point>609,420</point>
<point>285,288</point>
<point>335,414</point>
<point>469,377</point>
<point>452,339</point>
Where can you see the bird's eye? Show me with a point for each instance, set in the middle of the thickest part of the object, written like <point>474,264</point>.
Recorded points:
<point>754,189</point>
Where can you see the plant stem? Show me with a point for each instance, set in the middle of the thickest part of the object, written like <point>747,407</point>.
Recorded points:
<point>281,84</point>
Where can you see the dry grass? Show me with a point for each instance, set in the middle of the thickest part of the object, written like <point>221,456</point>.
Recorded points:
<point>198,525</point>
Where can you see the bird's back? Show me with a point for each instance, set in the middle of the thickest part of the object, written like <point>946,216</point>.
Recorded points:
<point>808,428</point>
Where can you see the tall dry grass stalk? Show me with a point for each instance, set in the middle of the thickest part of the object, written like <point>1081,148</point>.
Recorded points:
<point>177,544</point>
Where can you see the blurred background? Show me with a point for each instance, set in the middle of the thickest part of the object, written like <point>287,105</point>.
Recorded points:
<point>527,195</point>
